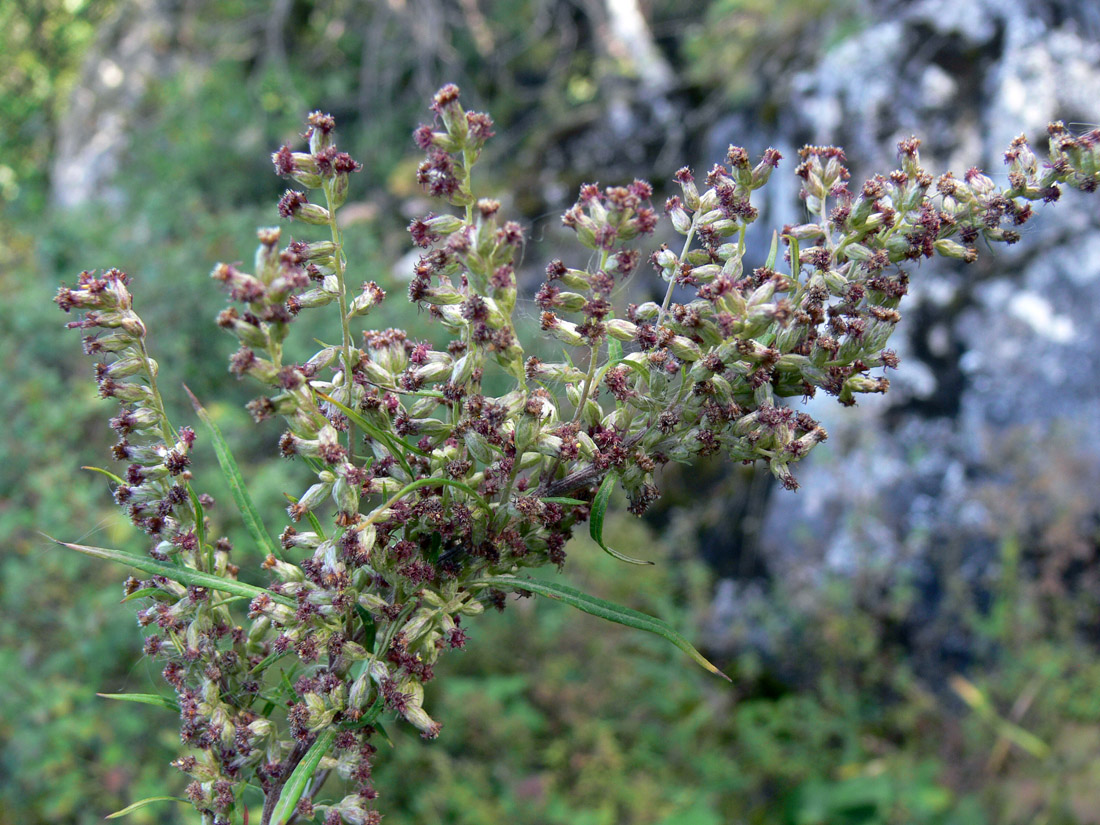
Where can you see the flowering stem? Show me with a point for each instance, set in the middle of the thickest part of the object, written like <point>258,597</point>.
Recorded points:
<point>593,355</point>
<point>672,281</point>
<point>338,261</point>
<point>468,160</point>
<point>273,793</point>
<point>165,428</point>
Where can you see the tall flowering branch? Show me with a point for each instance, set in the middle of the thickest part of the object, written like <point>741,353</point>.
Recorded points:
<point>430,496</point>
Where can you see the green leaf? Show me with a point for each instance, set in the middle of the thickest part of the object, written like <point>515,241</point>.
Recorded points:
<point>369,625</point>
<point>299,780</point>
<point>435,547</point>
<point>129,809</point>
<point>392,442</point>
<point>314,522</point>
<point>614,351</point>
<point>599,508</point>
<point>233,477</point>
<point>200,523</point>
<point>773,253</point>
<point>142,593</point>
<point>605,610</point>
<point>564,500</point>
<point>270,659</point>
<point>382,732</point>
<point>369,717</point>
<point>183,575</point>
<point>796,256</point>
<point>1006,729</point>
<point>145,699</point>
<point>107,473</point>
<point>431,482</point>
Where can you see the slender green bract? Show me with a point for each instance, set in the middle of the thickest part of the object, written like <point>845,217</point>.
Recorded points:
<point>433,482</point>
<point>605,610</point>
<point>200,521</point>
<point>235,480</point>
<point>614,351</point>
<point>299,780</point>
<point>390,441</point>
<point>145,699</point>
<point>141,803</point>
<point>773,253</point>
<point>107,473</point>
<point>183,575</point>
<point>599,509</point>
<point>141,593</point>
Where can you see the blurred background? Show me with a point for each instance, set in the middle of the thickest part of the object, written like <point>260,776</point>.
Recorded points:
<point>913,635</point>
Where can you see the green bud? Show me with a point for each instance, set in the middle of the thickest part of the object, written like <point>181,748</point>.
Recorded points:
<point>953,249</point>
<point>575,279</point>
<point>311,213</point>
<point>621,330</point>
<point>586,445</point>
<point>346,496</point>
<point>681,220</point>
<point>566,331</point>
<point>478,447</point>
<point>337,190</point>
<point>571,301</point>
<point>685,349</point>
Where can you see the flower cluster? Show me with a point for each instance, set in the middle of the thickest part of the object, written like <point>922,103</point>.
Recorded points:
<point>429,493</point>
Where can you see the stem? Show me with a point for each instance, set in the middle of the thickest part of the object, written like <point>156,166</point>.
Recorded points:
<point>593,354</point>
<point>338,261</point>
<point>583,477</point>
<point>467,162</point>
<point>271,799</point>
<point>170,437</point>
<point>823,214</point>
<point>165,428</point>
<point>592,357</point>
<point>416,485</point>
<point>672,281</point>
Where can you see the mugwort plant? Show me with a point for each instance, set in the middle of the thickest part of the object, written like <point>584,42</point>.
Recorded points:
<point>431,497</point>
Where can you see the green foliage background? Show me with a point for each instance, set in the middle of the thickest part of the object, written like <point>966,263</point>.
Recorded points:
<point>550,716</point>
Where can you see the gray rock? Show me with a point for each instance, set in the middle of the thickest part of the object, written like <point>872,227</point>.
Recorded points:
<point>1000,359</point>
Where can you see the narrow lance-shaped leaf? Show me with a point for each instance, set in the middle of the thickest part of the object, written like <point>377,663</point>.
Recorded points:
<point>773,253</point>
<point>980,704</point>
<point>183,575</point>
<point>142,593</point>
<point>429,482</point>
<point>107,473</point>
<point>614,351</point>
<point>129,809</point>
<point>145,699</point>
<point>200,524</point>
<point>599,509</point>
<point>605,610</point>
<point>235,480</point>
<point>314,522</point>
<point>296,785</point>
<point>395,445</point>
<point>796,256</point>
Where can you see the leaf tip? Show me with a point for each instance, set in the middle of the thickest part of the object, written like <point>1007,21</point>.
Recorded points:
<point>194,401</point>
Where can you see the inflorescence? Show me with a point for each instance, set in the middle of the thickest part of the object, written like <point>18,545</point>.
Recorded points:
<point>425,483</point>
